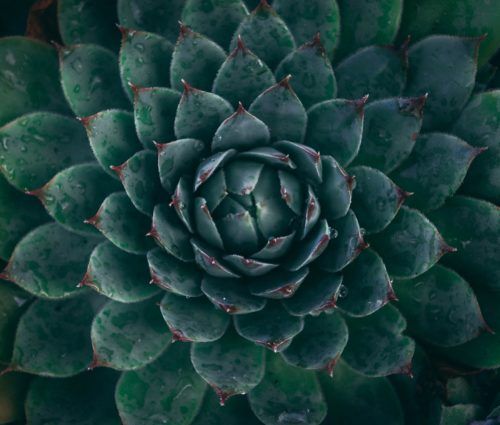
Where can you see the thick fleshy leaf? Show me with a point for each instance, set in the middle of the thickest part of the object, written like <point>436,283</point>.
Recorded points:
<point>231,295</point>
<point>122,224</point>
<point>37,146</point>
<point>73,401</point>
<point>271,327</point>
<point>112,137</point>
<point>230,365</point>
<point>320,344</point>
<point>435,169</point>
<point>128,336</point>
<point>440,307</point>
<point>242,76</point>
<point>306,19</point>
<point>74,194</point>
<point>196,59</point>
<point>312,209</point>
<point>366,286</point>
<point>288,395</point>
<point>51,330</point>
<point>207,258</point>
<point>182,201</point>
<point>275,247</point>
<point>13,388</point>
<point>249,266</point>
<point>312,73</point>
<point>335,127</point>
<point>307,160</point>
<point>154,114</point>
<point>91,79</point>
<point>193,319</point>
<point>335,192</point>
<point>375,199</point>
<point>376,346</point>
<point>390,130</point>
<point>118,275</point>
<point>270,156</point>
<point>355,399</point>
<point>278,284</point>
<point>199,114</point>
<point>379,71</point>
<point>144,60</point>
<point>473,226</point>
<point>218,20</point>
<point>174,275</point>
<point>166,391</point>
<point>210,165</point>
<point>444,67</point>
<point>50,261</point>
<point>410,245</point>
<point>22,88</point>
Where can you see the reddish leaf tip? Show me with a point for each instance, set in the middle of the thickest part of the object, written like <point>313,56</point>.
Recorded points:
<point>359,104</point>
<point>330,367</point>
<point>184,30</point>
<point>8,369</point>
<point>407,370</point>
<point>86,281</point>
<point>402,195</point>
<point>39,193</point>
<point>94,220</point>
<point>241,109</point>
<point>5,274</point>
<point>285,82</point>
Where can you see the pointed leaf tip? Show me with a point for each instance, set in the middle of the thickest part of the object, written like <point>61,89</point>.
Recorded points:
<point>360,103</point>
<point>285,82</point>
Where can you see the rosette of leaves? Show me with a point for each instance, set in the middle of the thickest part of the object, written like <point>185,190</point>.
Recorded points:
<point>237,186</point>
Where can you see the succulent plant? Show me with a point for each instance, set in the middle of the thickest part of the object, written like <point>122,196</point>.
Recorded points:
<point>240,183</point>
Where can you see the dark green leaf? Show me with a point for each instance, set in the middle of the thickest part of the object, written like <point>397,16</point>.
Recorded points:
<point>207,258</point>
<point>278,284</point>
<point>308,161</point>
<point>13,388</point>
<point>336,191</point>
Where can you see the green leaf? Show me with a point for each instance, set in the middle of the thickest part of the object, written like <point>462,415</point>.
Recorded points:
<point>320,344</point>
<point>445,67</point>
<point>306,19</point>
<point>154,114</point>
<point>335,127</point>
<point>278,284</point>
<point>128,336</point>
<point>13,388</point>
<point>82,21</point>
<point>91,79</point>
<point>376,346</point>
<point>281,110</point>
<point>287,395</point>
<point>166,391</point>
<point>410,245</point>
<point>118,275</point>
<point>354,399</point>
<point>122,224</point>
<point>144,60</point>
<point>18,215</point>
<point>481,234</point>
<point>390,130</point>
<point>440,307</point>
<point>366,287</point>
<point>112,137</point>
<point>53,330</point>
<point>216,19</point>
<point>307,160</point>
<point>81,400</point>
<point>23,87</point>
<point>336,190</point>
<point>375,199</point>
<point>311,71</point>
<point>74,194</point>
<point>50,261</point>
<point>379,71</point>
<point>37,146</point>
<point>265,34</point>
<point>193,319</point>
<point>435,169</point>
<point>230,365</point>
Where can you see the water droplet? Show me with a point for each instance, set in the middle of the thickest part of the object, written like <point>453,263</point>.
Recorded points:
<point>343,291</point>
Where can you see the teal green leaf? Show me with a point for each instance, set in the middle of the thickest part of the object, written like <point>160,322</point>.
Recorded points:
<point>307,160</point>
<point>410,245</point>
<point>73,401</point>
<point>288,395</point>
<point>335,128</point>
<point>118,275</point>
<point>390,130</point>
<point>22,90</point>
<point>128,336</point>
<point>166,391</point>
<point>91,79</point>
<point>34,147</point>
<point>50,261</point>
<point>124,226</point>
<point>440,307</point>
<point>194,319</point>
<point>312,73</point>
<point>230,365</point>
<point>210,165</point>
<point>335,192</point>
<point>13,388</point>
<point>379,71</point>
<point>144,60</point>
<point>278,284</point>
<point>376,346</point>
<point>445,67</point>
<point>461,414</point>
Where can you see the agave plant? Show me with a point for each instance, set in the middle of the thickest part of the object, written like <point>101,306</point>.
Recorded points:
<point>240,183</point>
